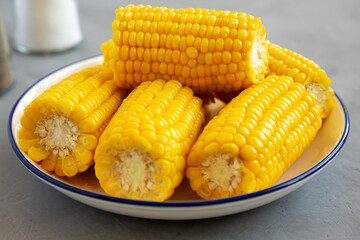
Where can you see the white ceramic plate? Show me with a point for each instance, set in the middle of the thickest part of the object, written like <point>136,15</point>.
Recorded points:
<point>184,204</point>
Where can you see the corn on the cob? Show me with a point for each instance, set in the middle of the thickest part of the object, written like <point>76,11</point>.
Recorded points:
<point>207,50</point>
<point>141,153</point>
<point>60,128</point>
<point>285,62</point>
<point>254,139</point>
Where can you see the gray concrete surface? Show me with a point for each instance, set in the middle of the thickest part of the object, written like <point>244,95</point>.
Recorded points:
<point>327,207</point>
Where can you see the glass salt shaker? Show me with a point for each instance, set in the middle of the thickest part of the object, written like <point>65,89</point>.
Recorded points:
<point>46,26</point>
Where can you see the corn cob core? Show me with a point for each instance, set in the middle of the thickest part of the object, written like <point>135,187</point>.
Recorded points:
<point>207,50</point>
<point>254,139</point>
<point>60,128</point>
<point>141,153</point>
<point>58,140</point>
<point>285,62</point>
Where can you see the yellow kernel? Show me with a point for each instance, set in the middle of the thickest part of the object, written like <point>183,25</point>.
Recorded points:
<point>254,166</point>
<point>182,44</point>
<point>255,142</point>
<point>192,63</point>
<point>223,68</point>
<point>190,40</point>
<point>164,167</point>
<point>236,57</point>
<point>233,33</point>
<point>181,29</point>
<point>212,45</point>
<point>124,52</point>
<point>140,53</point>
<point>248,182</point>
<point>247,45</point>
<point>228,44</point>
<point>229,129</point>
<point>232,67</point>
<point>161,54</point>
<point>129,66</point>
<point>38,153</point>
<point>197,148</point>
<point>243,130</point>
<point>131,25</point>
<point>201,58</point>
<point>142,142</point>
<point>212,148</point>
<point>242,34</point>
<point>125,37</point>
<point>178,69</point>
<point>230,148</point>
<point>145,67</point>
<point>195,29</point>
<point>200,71</point>
<point>209,58</point>
<point>176,42</point>
<point>157,150</point>
<point>197,43</point>
<point>237,45</point>
<point>175,56</point>
<point>196,182</point>
<point>248,152</point>
<point>224,137</point>
<point>132,39</point>
<point>183,58</point>
<point>168,55</point>
<point>233,23</point>
<point>226,57</point>
<point>224,32</point>
<point>115,25</point>
<point>186,72</point>
<point>26,144</point>
<point>167,27</point>
<point>153,54</point>
<point>220,44</point>
<point>155,40</point>
<point>217,57</point>
<point>202,31</point>
<point>230,77</point>
<point>214,70</point>
<point>171,69</point>
<point>154,67</point>
<point>194,75</point>
<point>204,45</point>
<point>117,37</point>
<point>210,137</point>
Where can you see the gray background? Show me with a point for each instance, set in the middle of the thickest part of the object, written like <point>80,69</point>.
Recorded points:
<point>327,207</point>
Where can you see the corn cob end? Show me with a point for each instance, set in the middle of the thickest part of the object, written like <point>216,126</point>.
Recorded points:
<point>131,172</point>
<point>320,88</point>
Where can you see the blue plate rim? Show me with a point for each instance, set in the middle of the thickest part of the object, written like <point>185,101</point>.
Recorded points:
<point>197,203</point>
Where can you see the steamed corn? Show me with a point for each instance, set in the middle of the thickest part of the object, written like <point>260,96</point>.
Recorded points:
<point>254,139</point>
<point>141,153</point>
<point>60,128</point>
<point>207,50</point>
